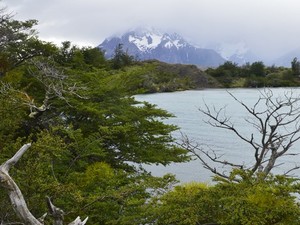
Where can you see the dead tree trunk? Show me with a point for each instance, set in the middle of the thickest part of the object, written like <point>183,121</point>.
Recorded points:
<point>17,199</point>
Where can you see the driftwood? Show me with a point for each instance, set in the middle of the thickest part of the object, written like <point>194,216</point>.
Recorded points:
<point>17,199</point>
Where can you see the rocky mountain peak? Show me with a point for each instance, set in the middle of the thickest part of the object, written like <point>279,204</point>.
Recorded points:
<point>150,43</point>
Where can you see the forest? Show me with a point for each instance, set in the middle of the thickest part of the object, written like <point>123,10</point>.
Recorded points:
<point>73,140</point>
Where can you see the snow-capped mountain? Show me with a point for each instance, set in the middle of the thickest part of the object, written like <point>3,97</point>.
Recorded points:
<point>153,44</point>
<point>237,52</point>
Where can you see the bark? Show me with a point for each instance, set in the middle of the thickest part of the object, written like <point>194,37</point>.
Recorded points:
<point>17,199</point>
<point>55,212</point>
<point>15,194</point>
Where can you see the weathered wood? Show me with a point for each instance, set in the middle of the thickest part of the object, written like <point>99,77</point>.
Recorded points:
<point>17,199</point>
<point>78,221</point>
<point>55,212</point>
<point>15,194</point>
<point>58,215</point>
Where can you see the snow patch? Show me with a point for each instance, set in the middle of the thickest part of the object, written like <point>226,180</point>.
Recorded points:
<point>169,44</point>
<point>178,44</point>
<point>147,39</point>
<point>226,50</point>
<point>145,42</point>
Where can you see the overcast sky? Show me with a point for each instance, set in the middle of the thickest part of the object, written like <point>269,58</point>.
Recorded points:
<point>269,27</point>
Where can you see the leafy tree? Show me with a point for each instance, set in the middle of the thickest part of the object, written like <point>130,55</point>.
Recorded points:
<point>226,73</point>
<point>121,58</point>
<point>94,57</point>
<point>258,69</point>
<point>19,42</point>
<point>228,65</point>
<point>80,127</point>
<point>75,126</point>
<point>84,58</point>
<point>295,65</point>
<point>65,53</point>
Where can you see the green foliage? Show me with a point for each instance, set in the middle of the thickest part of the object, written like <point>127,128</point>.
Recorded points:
<point>226,73</point>
<point>85,58</point>
<point>10,122</point>
<point>89,137</point>
<point>186,204</point>
<point>113,196</point>
<point>85,168</point>
<point>250,201</point>
<point>93,57</point>
<point>258,69</point>
<point>154,76</point>
<point>254,75</point>
<point>19,43</point>
<point>283,78</point>
<point>121,58</point>
<point>295,66</point>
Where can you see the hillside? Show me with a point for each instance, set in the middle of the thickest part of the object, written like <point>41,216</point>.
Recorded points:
<point>155,76</point>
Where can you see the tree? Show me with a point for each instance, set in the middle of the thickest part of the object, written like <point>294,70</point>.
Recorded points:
<point>121,58</point>
<point>19,42</point>
<point>258,69</point>
<point>80,133</point>
<point>226,73</point>
<point>81,128</point>
<point>295,65</point>
<point>94,57</point>
<point>276,121</point>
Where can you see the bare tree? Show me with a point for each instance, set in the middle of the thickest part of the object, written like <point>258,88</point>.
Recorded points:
<point>17,199</point>
<point>55,83</point>
<point>276,121</point>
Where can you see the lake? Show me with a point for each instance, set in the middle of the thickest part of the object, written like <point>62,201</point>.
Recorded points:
<point>185,106</point>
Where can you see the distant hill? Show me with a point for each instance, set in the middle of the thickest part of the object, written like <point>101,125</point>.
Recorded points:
<point>286,59</point>
<point>146,44</point>
<point>153,76</point>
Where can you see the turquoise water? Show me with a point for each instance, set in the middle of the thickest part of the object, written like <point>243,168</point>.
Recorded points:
<point>185,106</point>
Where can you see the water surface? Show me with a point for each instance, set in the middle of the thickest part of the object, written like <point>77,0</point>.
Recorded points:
<point>185,106</point>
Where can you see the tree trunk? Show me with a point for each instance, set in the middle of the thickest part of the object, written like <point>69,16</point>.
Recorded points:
<point>17,198</point>
<point>15,194</point>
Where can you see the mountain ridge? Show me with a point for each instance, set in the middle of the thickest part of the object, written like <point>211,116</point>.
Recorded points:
<point>146,44</point>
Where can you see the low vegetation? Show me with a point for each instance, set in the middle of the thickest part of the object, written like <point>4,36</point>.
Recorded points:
<point>256,75</point>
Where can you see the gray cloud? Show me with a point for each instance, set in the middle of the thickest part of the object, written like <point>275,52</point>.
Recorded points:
<point>268,27</point>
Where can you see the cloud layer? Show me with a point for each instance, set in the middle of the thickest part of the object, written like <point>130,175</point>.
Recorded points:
<point>269,27</point>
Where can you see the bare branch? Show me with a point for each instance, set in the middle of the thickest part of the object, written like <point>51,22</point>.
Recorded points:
<point>55,83</point>
<point>292,169</point>
<point>42,218</point>
<point>78,221</point>
<point>12,161</point>
<point>17,199</point>
<point>277,120</point>
<point>15,194</point>
<point>211,156</point>
<point>55,212</point>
